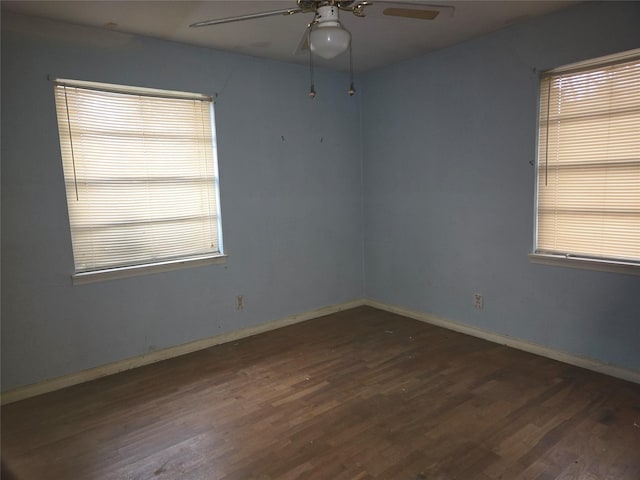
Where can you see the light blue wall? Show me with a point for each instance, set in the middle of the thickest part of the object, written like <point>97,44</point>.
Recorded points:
<point>446,146</point>
<point>449,188</point>
<point>291,208</point>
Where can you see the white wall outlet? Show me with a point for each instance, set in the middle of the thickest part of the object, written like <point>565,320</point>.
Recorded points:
<point>239,302</point>
<point>478,301</point>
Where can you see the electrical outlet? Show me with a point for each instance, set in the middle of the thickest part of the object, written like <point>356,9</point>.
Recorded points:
<point>239,302</point>
<point>478,301</point>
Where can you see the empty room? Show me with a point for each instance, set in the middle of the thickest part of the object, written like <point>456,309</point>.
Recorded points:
<point>320,240</point>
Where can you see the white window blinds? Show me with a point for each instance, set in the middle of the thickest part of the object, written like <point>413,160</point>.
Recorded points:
<point>140,171</point>
<point>589,160</point>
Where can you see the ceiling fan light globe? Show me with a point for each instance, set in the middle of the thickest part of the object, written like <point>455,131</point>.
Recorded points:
<point>329,41</point>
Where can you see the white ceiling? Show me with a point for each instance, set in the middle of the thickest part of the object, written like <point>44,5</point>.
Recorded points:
<point>377,40</point>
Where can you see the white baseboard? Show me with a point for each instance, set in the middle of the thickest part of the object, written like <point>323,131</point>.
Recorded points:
<point>58,383</point>
<point>570,358</point>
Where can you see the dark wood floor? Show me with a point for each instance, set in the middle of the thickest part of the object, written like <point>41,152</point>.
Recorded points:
<point>361,394</point>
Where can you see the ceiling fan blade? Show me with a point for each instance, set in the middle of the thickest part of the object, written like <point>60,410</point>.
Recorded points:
<point>251,16</point>
<point>421,11</point>
<point>303,44</point>
<point>411,13</point>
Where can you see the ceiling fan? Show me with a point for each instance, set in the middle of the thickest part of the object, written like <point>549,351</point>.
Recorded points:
<point>325,36</point>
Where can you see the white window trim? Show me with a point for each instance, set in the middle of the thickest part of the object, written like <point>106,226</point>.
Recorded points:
<point>83,278</point>
<point>576,261</point>
<point>585,263</point>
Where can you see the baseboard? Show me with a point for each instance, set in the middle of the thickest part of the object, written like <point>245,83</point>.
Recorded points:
<point>571,359</point>
<point>58,383</point>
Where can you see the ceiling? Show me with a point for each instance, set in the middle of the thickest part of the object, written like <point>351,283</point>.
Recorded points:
<point>377,40</point>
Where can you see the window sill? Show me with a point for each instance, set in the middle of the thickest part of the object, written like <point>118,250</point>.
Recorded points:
<point>585,263</point>
<point>137,270</point>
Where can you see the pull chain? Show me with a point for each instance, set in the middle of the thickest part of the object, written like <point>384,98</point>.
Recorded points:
<point>312,90</point>
<point>352,89</point>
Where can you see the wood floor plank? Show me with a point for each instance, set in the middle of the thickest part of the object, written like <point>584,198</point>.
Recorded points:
<point>361,394</point>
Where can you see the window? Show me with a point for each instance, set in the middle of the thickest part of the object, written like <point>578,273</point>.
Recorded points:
<point>140,170</point>
<point>588,185</point>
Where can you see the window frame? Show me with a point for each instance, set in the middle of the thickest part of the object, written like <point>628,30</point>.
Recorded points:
<point>581,261</point>
<point>153,263</point>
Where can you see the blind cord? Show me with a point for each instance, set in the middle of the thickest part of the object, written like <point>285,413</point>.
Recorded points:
<point>73,158</point>
<point>205,157</point>
<point>546,153</point>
